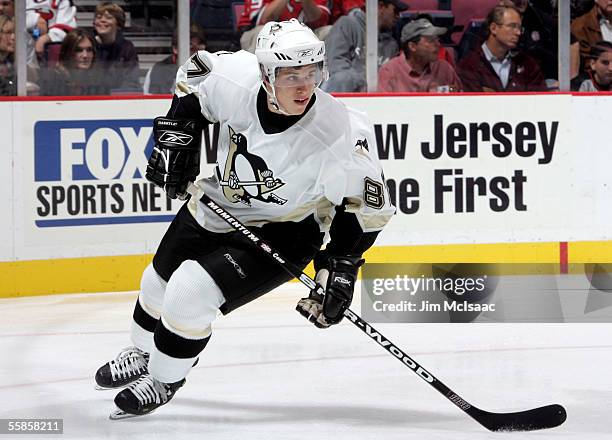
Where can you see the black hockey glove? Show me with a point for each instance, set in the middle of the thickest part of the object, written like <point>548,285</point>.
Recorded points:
<point>337,275</point>
<point>175,160</point>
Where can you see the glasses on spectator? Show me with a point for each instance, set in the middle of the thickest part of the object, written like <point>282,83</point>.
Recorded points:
<point>514,27</point>
<point>83,49</point>
<point>10,32</point>
<point>6,3</point>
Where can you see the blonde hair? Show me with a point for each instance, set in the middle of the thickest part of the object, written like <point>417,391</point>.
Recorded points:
<point>4,19</point>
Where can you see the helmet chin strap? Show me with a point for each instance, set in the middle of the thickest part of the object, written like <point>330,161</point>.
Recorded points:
<point>273,100</point>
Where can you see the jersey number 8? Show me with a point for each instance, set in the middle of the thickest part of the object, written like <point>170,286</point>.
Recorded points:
<point>373,193</point>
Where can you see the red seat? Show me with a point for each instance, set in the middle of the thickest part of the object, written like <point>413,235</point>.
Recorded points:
<point>419,5</point>
<point>471,36</point>
<point>465,10</point>
<point>237,9</point>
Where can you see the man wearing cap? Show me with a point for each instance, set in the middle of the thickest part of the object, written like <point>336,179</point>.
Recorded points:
<point>345,46</point>
<point>417,67</point>
<point>497,66</point>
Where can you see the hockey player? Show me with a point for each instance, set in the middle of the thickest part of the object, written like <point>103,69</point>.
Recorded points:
<point>293,163</point>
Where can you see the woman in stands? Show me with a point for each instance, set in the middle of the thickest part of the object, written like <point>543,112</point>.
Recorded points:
<point>8,82</point>
<point>600,69</point>
<point>75,73</point>
<point>8,79</point>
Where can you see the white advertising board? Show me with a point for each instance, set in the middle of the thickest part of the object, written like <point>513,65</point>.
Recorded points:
<point>591,175</point>
<point>474,169</point>
<point>461,169</point>
<point>82,183</point>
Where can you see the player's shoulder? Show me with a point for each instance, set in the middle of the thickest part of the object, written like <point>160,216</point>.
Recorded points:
<point>341,121</point>
<point>233,67</point>
<point>336,107</point>
<point>223,61</point>
<point>341,114</point>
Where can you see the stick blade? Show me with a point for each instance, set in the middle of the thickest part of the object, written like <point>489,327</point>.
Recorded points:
<point>544,417</point>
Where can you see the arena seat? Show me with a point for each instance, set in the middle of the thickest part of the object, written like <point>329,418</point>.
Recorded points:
<point>465,10</point>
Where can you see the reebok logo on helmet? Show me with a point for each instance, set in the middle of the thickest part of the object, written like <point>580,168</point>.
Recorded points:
<point>305,53</point>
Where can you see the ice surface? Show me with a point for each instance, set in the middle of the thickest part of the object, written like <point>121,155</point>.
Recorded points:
<point>268,374</point>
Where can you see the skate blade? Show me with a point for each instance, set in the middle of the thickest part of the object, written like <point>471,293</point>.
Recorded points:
<point>118,414</point>
<point>101,388</point>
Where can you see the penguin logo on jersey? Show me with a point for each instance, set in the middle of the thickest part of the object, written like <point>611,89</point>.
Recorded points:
<point>246,176</point>
<point>363,144</point>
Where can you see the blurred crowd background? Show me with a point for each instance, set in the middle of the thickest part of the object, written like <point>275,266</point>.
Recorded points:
<point>89,47</point>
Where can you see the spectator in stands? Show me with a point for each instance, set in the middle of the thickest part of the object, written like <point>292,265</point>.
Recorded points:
<point>197,39</point>
<point>417,67</point>
<point>75,73</point>
<point>313,13</point>
<point>39,26</point>
<point>161,77</point>
<point>343,7</point>
<point>256,13</point>
<point>496,66</point>
<point>345,46</point>
<point>7,7</point>
<point>48,21</point>
<point>594,26</point>
<point>600,68</point>
<point>539,39</point>
<point>580,7</point>
<point>447,54</point>
<point>8,80</point>
<point>116,55</point>
<point>248,17</point>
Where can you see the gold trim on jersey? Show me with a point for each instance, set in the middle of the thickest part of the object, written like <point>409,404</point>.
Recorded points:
<point>369,222</point>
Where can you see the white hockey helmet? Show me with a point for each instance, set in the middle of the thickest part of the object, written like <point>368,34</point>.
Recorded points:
<point>288,44</point>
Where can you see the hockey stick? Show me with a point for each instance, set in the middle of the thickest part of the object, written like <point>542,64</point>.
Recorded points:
<point>544,417</point>
<point>245,183</point>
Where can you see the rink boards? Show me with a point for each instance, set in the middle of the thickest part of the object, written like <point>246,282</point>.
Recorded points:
<point>516,178</point>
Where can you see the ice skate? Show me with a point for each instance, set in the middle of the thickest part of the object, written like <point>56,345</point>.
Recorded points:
<point>129,365</point>
<point>143,397</point>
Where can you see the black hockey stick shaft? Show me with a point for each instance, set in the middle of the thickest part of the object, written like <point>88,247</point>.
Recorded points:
<point>543,417</point>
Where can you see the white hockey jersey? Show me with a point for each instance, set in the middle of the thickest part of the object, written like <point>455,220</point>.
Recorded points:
<point>328,156</point>
<point>60,16</point>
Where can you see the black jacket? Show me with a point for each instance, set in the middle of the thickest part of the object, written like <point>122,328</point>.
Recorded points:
<point>540,41</point>
<point>62,82</point>
<point>119,61</point>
